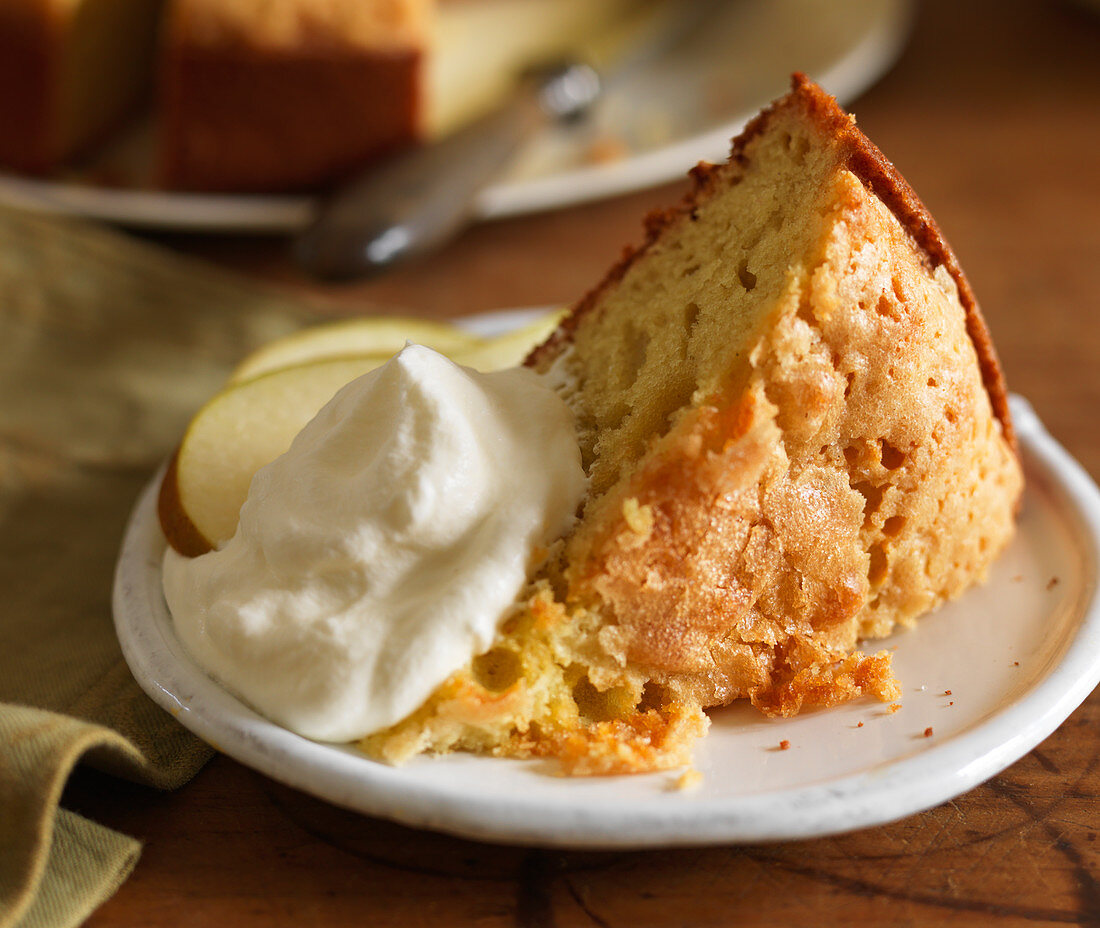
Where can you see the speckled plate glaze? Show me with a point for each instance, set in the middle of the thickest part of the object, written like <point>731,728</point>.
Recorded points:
<point>694,102</point>
<point>1018,655</point>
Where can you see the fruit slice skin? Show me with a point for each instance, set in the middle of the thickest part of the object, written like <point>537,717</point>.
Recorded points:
<point>177,526</point>
<point>236,433</point>
<point>385,335</point>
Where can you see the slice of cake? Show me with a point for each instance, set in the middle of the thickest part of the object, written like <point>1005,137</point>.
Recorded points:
<point>796,435</point>
<point>70,71</point>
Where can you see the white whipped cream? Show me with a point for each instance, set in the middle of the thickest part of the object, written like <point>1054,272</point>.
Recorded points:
<point>383,550</point>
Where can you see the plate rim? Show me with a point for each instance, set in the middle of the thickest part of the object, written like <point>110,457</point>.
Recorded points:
<point>900,788</point>
<point>856,69</point>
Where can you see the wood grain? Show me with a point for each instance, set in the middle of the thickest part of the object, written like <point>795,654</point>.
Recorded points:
<point>993,114</point>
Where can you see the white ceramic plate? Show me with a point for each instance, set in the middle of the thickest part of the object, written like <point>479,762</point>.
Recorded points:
<point>1018,655</point>
<point>684,109</point>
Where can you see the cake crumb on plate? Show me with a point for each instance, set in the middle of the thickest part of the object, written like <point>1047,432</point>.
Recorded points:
<point>689,779</point>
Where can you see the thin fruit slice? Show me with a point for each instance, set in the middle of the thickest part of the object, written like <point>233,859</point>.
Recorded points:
<point>510,349</point>
<point>255,418</point>
<point>375,335</point>
<point>235,434</point>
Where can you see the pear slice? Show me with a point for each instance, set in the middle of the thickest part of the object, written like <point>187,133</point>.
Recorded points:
<point>255,418</point>
<point>236,433</point>
<point>374,335</point>
<point>510,349</point>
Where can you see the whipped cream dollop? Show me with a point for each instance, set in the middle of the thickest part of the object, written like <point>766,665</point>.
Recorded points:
<point>382,551</point>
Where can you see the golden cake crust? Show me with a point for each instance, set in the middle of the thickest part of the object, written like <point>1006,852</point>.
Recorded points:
<point>291,25</point>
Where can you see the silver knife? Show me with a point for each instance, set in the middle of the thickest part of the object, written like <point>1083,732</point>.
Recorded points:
<point>413,202</point>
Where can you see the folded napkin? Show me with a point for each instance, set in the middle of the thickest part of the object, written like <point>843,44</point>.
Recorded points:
<point>107,345</point>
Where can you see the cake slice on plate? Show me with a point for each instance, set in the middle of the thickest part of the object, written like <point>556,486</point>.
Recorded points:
<point>787,431</point>
<point>797,436</point>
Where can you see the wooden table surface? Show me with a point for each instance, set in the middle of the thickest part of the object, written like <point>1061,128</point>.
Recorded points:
<point>993,113</point>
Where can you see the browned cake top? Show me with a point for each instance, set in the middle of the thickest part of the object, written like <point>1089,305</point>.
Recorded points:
<point>295,26</point>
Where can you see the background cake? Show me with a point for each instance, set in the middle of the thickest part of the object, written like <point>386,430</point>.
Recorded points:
<point>266,95</point>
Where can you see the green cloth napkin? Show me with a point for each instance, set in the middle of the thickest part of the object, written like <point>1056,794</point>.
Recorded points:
<point>107,346</point>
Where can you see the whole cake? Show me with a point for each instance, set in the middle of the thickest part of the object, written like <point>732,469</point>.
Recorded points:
<point>796,435</point>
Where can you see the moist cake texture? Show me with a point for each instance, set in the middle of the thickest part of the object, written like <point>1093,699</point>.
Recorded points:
<point>797,436</point>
